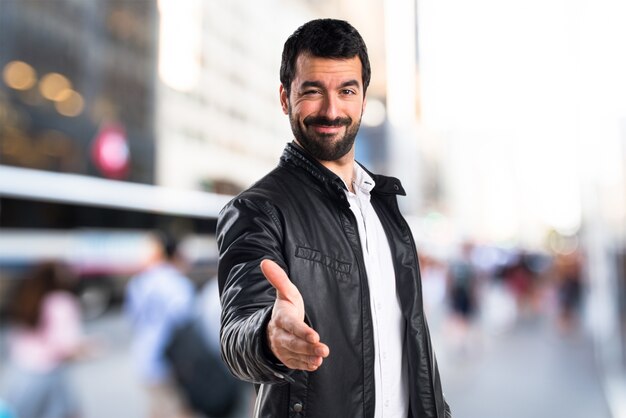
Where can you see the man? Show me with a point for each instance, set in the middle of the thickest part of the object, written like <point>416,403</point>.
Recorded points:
<point>159,299</point>
<point>318,271</point>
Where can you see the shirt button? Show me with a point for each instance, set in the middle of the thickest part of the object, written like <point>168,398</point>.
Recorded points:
<point>297,407</point>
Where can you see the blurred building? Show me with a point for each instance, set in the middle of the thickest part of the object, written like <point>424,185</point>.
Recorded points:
<point>77,97</point>
<point>178,94</point>
<point>78,100</point>
<point>78,87</point>
<point>219,121</point>
<point>77,141</point>
<point>220,126</point>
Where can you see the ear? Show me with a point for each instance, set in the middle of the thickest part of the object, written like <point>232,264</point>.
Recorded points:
<point>364,104</point>
<point>284,100</point>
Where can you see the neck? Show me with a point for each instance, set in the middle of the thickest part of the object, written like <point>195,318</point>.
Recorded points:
<point>344,168</point>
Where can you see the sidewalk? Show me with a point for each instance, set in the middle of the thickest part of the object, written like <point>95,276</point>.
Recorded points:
<point>529,371</point>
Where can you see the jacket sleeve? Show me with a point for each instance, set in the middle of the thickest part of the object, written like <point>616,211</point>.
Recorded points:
<point>247,233</point>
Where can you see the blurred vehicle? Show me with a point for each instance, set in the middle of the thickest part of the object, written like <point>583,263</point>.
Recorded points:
<point>98,227</point>
<point>102,259</point>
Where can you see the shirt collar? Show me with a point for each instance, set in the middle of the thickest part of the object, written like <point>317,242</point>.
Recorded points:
<point>361,180</point>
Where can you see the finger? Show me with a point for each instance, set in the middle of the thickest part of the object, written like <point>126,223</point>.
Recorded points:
<point>286,290</point>
<point>297,346</point>
<point>293,325</point>
<point>310,353</point>
<point>321,350</point>
<point>297,363</point>
<point>279,279</point>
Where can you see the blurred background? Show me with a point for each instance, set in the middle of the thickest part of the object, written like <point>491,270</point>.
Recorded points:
<point>505,121</point>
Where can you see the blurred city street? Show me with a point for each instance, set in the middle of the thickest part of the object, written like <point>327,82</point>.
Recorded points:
<point>528,371</point>
<point>122,121</point>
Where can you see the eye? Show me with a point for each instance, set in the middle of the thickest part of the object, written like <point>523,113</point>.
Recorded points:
<point>348,92</point>
<point>310,92</point>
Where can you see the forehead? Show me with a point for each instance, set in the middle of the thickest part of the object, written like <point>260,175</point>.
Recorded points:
<point>311,68</point>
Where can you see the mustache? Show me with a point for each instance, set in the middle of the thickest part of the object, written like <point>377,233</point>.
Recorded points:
<point>323,121</point>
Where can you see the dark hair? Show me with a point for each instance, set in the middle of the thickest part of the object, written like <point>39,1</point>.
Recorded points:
<point>170,246</point>
<point>40,280</point>
<point>169,243</point>
<point>324,38</point>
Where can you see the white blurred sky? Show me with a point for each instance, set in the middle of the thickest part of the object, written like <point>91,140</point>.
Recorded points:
<point>533,92</point>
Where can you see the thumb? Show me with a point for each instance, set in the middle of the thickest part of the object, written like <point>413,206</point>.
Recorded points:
<point>279,280</point>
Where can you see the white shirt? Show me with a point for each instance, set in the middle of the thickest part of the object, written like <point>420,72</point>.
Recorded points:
<point>390,373</point>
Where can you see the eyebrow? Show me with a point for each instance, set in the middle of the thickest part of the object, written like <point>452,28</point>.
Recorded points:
<point>318,84</point>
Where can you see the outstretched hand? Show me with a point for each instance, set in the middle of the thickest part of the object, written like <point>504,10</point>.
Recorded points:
<point>292,341</point>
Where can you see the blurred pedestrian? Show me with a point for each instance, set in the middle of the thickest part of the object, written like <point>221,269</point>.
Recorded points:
<point>232,397</point>
<point>521,281</point>
<point>45,335</point>
<point>462,285</point>
<point>318,271</point>
<point>158,300</point>
<point>434,281</point>
<point>462,295</point>
<point>569,287</point>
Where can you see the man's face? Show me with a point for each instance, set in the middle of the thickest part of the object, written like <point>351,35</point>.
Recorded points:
<point>325,105</point>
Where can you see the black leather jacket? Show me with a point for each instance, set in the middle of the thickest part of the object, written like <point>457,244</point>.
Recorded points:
<point>298,215</point>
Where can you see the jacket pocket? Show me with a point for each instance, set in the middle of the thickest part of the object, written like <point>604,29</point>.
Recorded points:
<point>317,256</point>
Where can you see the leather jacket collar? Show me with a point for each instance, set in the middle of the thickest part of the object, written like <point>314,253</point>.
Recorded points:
<point>297,156</point>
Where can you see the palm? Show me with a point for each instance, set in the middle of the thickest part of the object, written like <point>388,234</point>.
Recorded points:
<point>288,298</point>
<point>291,340</point>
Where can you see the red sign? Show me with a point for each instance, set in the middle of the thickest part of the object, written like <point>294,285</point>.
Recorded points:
<point>110,151</point>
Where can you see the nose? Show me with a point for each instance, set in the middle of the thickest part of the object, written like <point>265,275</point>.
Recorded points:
<point>330,107</point>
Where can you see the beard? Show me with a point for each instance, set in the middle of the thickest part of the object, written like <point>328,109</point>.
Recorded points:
<point>322,146</point>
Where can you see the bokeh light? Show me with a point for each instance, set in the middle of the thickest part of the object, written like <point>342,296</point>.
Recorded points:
<point>54,86</point>
<point>70,103</point>
<point>19,75</point>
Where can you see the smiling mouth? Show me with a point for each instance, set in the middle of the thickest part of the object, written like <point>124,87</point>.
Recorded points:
<point>325,126</point>
<point>326,129</point>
